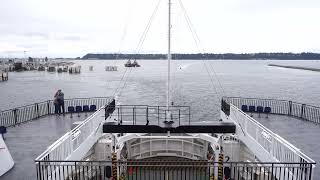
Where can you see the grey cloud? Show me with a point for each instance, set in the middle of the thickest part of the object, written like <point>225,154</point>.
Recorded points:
<point>37,34</point>
<point>71,38</point>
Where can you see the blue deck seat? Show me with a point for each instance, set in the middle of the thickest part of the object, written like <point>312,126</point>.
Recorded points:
<point>244,108</point>
<point>267,109</point>
<point>252,108</point>
<point>259,109</point>
<point>3,130</point>
<point>85,108</point>
<point>78,109</point>
<point>70,109</point>
<point>93,108</point>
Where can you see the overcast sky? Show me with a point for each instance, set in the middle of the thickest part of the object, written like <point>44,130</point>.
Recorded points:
<point>71,28</point>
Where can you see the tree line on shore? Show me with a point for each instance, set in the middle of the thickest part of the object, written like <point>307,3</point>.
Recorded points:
<point>230,56</point>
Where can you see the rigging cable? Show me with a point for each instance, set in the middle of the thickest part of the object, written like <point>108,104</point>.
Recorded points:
<point>140,43</point>
<point>124,33</point>
<point>197,42</point>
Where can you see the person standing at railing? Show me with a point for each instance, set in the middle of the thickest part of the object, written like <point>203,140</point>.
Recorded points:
<point>56,104</point>
<point>60,98</point>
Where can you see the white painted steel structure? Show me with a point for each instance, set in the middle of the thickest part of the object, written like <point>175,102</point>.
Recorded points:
<point>6,161</point>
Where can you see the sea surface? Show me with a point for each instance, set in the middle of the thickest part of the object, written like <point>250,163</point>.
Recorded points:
<point>191,83</point>
<point>195,83</point>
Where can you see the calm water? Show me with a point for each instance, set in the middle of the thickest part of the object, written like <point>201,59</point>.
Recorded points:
<point>191,85</point>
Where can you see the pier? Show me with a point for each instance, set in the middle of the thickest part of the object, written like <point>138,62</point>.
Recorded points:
<point>296,67</point>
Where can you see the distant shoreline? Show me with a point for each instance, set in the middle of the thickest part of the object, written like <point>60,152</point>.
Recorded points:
<point>209,56</point>
<point>295,67</point>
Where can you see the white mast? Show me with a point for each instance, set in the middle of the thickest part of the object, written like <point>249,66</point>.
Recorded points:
<point>169,55</point>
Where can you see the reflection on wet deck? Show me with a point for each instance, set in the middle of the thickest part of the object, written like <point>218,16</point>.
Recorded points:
<point>28,140</point>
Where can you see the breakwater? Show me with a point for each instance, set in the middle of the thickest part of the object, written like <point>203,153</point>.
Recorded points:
<point>296,67</point>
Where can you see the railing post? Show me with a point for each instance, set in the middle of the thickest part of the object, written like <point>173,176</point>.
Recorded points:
<point>179,117</point>
<point>303,106</point>
<point>119,120</point>
<point>37,109</point>
<point>189,115</point>
<point>272,170</point>
<point>133,110</point>
<point>310,174</point>
<point>48,106</point>
<point>121,113</point>
<point>290,108</point>
<point>147,114</point>
<point>39,169</point>
<point>165,115</point>
<point>158,116</point>
<point>15,116</point>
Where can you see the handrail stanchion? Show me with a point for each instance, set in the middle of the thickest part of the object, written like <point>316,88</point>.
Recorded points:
<point>119,114</point>
<point>179,117</point>
<point>290,108</point>
<point>133,115</point>
<point>48,106</point>
<point>189,116</point>
<point>303,106</point>
<point>15,116</point>
<point>147,114</point>
<point>37,109</point>
<point>158,116</point>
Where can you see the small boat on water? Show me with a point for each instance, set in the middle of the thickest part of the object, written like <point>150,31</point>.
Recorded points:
<point>129,64</point>
<point>135,64</point>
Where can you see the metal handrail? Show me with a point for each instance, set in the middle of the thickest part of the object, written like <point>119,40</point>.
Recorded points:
<point>180,170</point>
<point>280,107</point>
<point>67,136</point>
<point>276,137</point>
<point>25,113</point>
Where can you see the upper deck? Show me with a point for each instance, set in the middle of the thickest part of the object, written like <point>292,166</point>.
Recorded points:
<point>41,133</point>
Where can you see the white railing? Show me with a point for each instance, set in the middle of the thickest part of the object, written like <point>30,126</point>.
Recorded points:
<point>278,147</point>
<point>68,143</point>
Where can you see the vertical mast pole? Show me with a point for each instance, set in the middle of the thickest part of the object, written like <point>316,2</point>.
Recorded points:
<point>169,55</point>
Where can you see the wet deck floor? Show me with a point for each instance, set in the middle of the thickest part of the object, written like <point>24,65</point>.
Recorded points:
<point>29,140</point>
<point>302,134</point>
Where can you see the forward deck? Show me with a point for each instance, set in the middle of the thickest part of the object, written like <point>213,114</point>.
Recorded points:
<point>29,139</point>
